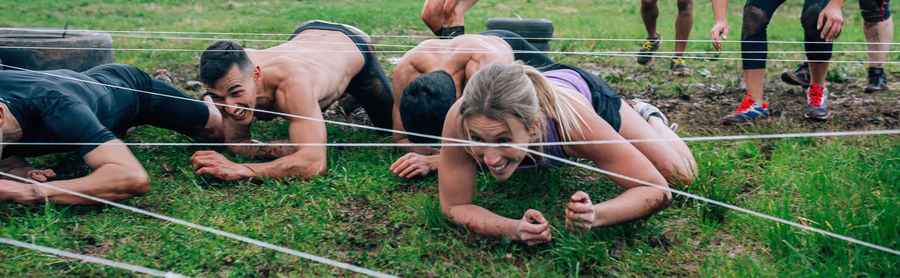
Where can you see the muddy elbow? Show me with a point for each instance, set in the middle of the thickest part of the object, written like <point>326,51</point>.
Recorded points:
<point>314,169</point>
<point>666,200</point>
<point>138,183</point>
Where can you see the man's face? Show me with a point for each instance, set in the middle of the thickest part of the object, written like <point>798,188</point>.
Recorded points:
<point>238,91</point>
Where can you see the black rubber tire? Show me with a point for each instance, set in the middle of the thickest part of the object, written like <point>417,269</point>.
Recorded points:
<point>32,48</point>
<point>534,30</point>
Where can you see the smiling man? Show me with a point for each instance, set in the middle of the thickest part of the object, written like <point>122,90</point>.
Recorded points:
<point>319,63</point>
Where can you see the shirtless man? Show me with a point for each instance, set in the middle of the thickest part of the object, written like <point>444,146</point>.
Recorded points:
<point>318,64</point>
<point>61,106</point>
<point>430,77</point>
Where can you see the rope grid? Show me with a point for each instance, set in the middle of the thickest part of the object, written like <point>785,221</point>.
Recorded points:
<point>456,142</point>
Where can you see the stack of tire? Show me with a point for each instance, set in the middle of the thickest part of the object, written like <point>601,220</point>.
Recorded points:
<point>536,31</point>
<point>48,49</point>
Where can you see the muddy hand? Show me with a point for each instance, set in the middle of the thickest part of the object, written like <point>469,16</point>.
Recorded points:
<point>215,164</point>
<point>720,30</point>
<point>579,212</point>
<point>533,229</point>
<point>833,21</point>
<point>22,193</point>
<point>41,175</point>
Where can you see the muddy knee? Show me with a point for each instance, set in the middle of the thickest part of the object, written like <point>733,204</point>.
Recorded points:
<point>754,24</point>
<point>685,7</point>
<point>810,17</point>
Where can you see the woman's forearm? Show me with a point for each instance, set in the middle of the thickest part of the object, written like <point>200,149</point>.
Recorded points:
<point>482,221</point>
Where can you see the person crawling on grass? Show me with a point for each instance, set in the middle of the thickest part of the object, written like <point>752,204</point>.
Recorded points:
<point>63,106</point>
<point>319,64</point>
<point>515,103</point>
<point>432,75</point>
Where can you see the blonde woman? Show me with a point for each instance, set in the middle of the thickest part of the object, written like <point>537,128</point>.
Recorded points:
<point>514,103</point>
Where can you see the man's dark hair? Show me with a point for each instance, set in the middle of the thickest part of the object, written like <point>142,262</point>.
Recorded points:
<point>218,58</point>
<point>424,104</point>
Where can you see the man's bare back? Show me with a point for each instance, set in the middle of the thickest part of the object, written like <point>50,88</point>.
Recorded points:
<point>321,62</point>
<point>460,57</point>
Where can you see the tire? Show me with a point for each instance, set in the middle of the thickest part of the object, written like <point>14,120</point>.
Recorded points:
<point>31,48</point>
<point>534,30</point>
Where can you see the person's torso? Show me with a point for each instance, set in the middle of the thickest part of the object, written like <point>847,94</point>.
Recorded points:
<point>34,97</point>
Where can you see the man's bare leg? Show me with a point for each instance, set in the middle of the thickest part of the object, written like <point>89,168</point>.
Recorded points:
<point>455,11</point>
<point>683,23</point>
<point>649,13</point>
<point>878,32</point>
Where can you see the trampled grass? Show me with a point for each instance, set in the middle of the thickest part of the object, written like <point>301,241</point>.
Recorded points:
<point>361,214</point>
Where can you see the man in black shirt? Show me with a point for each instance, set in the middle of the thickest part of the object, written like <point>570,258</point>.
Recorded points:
<point>62,106</point>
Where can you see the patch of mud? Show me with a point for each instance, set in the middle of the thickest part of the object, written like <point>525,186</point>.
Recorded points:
<point>701,108</point>
<point>95,249</point>
<point>361,214</point>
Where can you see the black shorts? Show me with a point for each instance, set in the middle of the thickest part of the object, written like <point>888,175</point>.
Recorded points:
<point>875,10</point>
<point>522,49</point>
<point>167,107</point>
<point>604,99</point>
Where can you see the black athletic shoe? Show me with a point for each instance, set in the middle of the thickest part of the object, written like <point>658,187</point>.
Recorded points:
<point>877,81</point>
<point>647,49</point>
<point>679,67</point>
<point>799,76</point>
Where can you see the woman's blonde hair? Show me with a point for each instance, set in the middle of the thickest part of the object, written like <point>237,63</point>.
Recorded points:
<point>518,90</point>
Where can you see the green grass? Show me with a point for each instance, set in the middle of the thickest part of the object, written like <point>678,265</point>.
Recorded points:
<point>361,214</point>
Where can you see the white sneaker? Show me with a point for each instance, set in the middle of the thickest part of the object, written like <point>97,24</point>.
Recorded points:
<point>646,110</point>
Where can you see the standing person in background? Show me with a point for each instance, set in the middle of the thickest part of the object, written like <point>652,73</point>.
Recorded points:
<point>822,21</point>
<point>878,25</point>
<point>445,17</point>
<point>683,23</point>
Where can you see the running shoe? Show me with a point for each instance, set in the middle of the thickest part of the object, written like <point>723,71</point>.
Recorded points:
<point>679,67</point>
<point>877,81</point>
<point>647,49</point>
<point>647,110</point>
<point>817,99</point>
<point>749,110</point>
<point>799,76</point>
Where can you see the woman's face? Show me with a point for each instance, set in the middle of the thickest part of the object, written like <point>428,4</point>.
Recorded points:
<point>501,161</point>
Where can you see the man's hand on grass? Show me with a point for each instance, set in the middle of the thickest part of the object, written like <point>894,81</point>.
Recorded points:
<point>412,165</point>
<point>216,165</point>
<point>22,193</point>
<point>40,175</point>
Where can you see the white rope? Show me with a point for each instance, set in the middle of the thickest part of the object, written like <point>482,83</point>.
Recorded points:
<point>481,50</point>
<point>450,50</point>
<point>433,37</point>
<point>208,229</point>
<point>62,253</point>
<point>569,143</point>
<point>711,201</point>
<point>589,53</point>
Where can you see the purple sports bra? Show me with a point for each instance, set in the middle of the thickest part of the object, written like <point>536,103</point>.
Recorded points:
<point>564,78</point>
